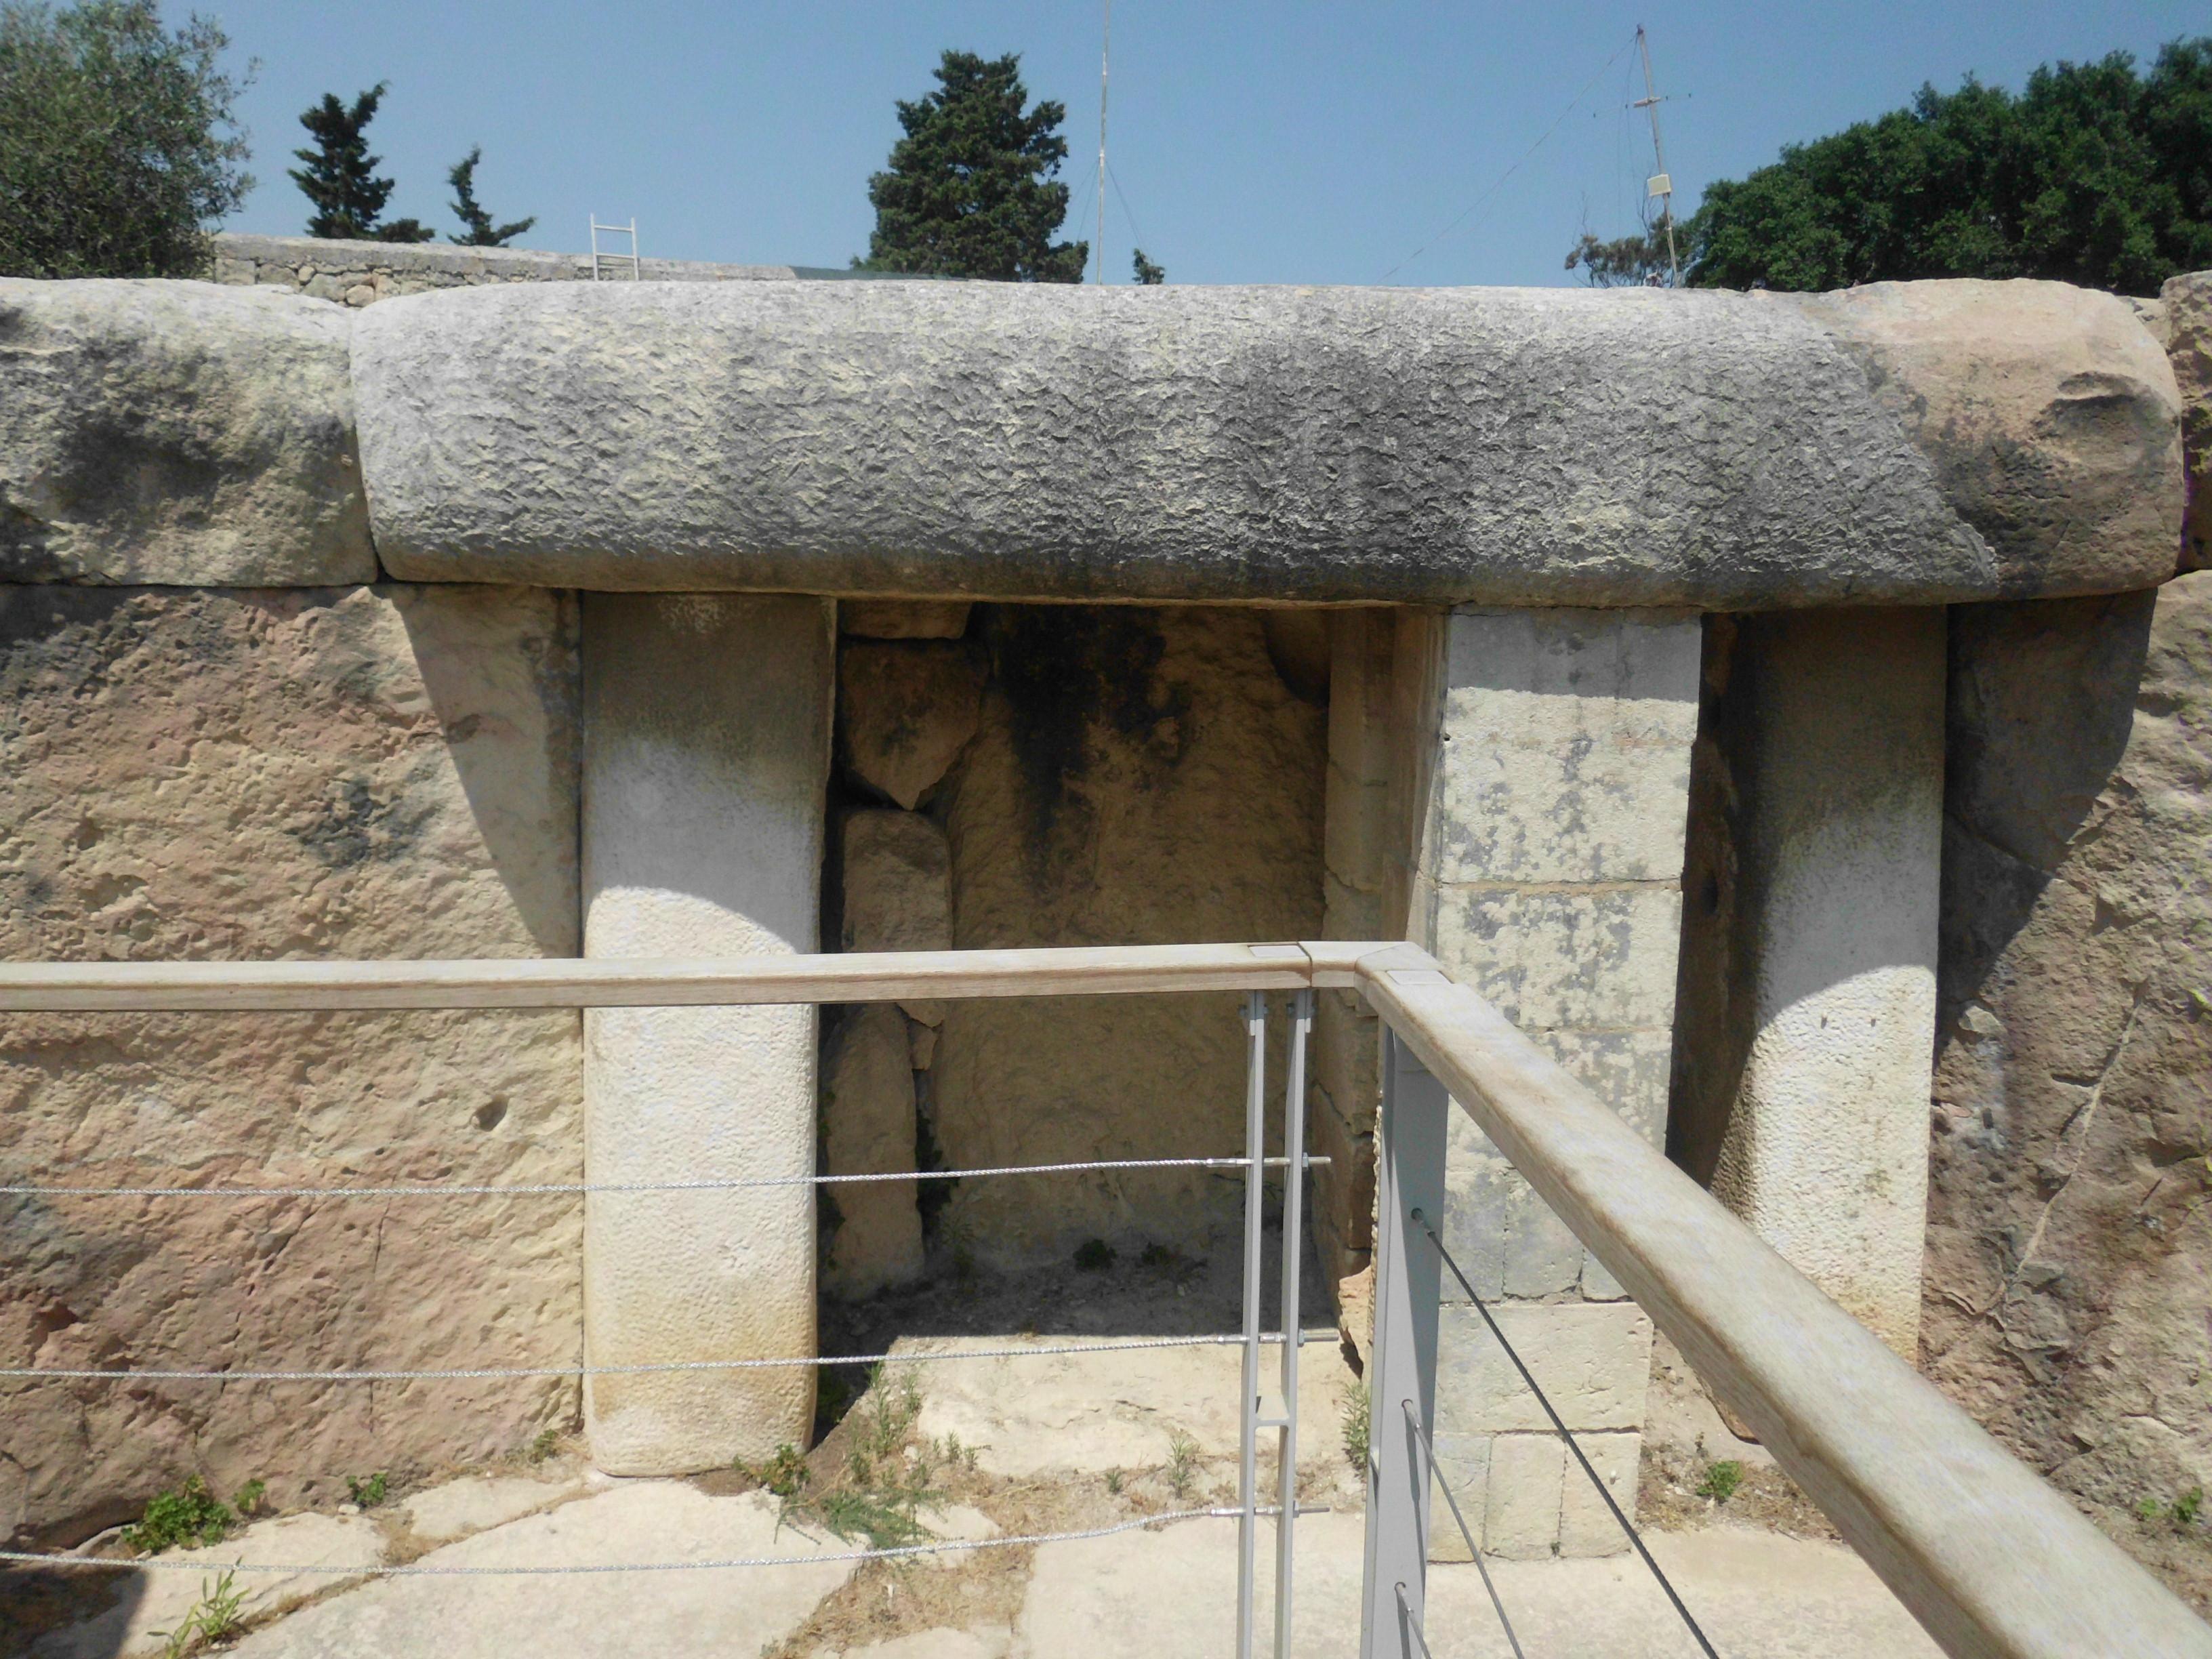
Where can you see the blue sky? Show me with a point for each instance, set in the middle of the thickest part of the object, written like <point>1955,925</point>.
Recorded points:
<point>1282,144</point>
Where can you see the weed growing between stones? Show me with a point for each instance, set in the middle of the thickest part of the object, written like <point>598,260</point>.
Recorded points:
<point>547,1442</point>
<point>1182,1463</point>
<point>191,1514</point>
<point>1722,1478</point>
<point>1354,1424</point>
<point>370,1491</point>
<point>217,1616</point>
<point>888,1478</point>
<point>2180,1514</point>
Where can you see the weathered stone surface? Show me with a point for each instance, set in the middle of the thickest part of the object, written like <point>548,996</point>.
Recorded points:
<point>904,713</point>
<point>904,619</point>
<point>477,1503</point>
<point>330,773</point>
<point>706,759</point>
<point>1809,962</point>
<point>178,433</point>
<point>1497,446</point>
<point>898,883</point>
<point>2187,302</point>
<point>867,1128</point>
<point>1592,1359</point>
<point>2070,1232</point>
<point>1140,776</point>
<point>2049,412</point>
<point>592,1615</point>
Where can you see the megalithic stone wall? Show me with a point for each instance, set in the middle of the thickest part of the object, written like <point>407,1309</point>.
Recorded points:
<point>1550,799</point>
<point>705,756</point>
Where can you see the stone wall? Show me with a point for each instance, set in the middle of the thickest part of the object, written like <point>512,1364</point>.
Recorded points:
<point>1062,775</point>
<point>361,273</point>
<point>2069,1238</point>
<point>225,774</point>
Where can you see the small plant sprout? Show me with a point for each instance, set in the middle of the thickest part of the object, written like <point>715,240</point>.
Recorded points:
<point>1182,1463</point>
<point>217,1616</point>
<point>2180,1514</point>
<point>190,1515</point>
<point>370,1491</point>
<point>1355,1427</point>
<point>1114,1481</point>
<point>547,1442</point>
<point>1722,1478</point>
<point>784,1475</point>
<point>247,1499</point>
<point>1094,1255</point>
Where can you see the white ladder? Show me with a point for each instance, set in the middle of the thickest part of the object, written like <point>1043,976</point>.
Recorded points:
<point>606,267</point>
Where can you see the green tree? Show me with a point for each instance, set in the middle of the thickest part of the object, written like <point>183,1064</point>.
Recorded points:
<point>340,175</point>
<point>481,233</point>
<point>2095,174</point>
<point>970,190</point>
<point>1637,261</point>
<point>118,148</point>
<point>1148,275</point>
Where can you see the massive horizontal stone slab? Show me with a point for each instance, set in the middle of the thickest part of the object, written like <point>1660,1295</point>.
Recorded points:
<point>1492,444</point>
<point>179,433</point>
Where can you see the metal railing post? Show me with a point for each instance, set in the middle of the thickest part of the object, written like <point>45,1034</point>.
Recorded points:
<point>1256,1169</point>
<point>1294,1227</point>
<point>1401,1384</point>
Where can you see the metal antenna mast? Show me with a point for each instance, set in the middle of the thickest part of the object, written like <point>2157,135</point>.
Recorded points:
<point>1659,184</point>
<point>1105,46</point>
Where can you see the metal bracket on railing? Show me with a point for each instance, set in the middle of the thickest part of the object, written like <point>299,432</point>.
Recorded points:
<point>1401,1384</point>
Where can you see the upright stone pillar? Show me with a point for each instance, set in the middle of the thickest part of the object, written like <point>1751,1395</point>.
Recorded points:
<point>1831,725</point>
<point>1549,805</point>
<point>707,721</point>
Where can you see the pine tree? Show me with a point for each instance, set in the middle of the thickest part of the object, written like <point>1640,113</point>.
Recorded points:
<point>1148,275</point>
<point>970,190</point>
<point>340,175</point>
<point>481,233</point>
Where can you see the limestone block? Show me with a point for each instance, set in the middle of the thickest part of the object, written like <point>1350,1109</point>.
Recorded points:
<point>1521,1511</point>
<point>1347,1042</point>
<point>348,773</point>
<point>1491,445</point>
<point>1839,718</point>
<point>2073,1044</point>
<point>183,433</point>
<point>902,619</point>
<point>1463,1469</point>
<point>1139,775</point>
<point>477,1503</point>
<point>702,832</point>
<point>2048,412</point>
<point>898,883</point>
<point>1591,1358</point>
<point>1575,957</point>
<point>904,713</point>
<point>1566,749</point>
<point>1343,1190</point>
<point>2188,307</point>
<point>1505,1239</point>
<point>1586,1525</point>
<point>868,1128</point>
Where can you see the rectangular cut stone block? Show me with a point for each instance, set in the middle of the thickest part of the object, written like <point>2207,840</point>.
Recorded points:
<point>1567,751</point>
<point>1591,1358</point>
<point>1521,1516</point>
<point>1344,1188</point>
<point>1575,958</point>
<point>1586,1526</point>
<point>206,774</point>
<point>1463,1468</point>
<point>705,756</point>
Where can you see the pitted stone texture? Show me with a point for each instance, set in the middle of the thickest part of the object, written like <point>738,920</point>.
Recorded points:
<point>1592,1359</point>
<point>898,883</point>
<point>904,713</point>
<point>1115,739</point>
<point>2070,1216</point>
<point>341,773</point>
<point>2187,302</point>
<point>176,433</point>
<point>2049,412</point>
<point>1835,729</point>
<point>706,757</point>
<point>1588,956</point>
<point>902,619</point>
<point>868,1128</point>
<point>1495,446</point>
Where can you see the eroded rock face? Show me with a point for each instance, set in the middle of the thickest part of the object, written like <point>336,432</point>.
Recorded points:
<point>898,883</point>
<point>2070,1234</point>
<point>904,711</point>
<point>1493,445</point>
<point>1140,776</point>
<point>2186,302</point>
<point>177,432</point>
<point>330,773</point>
<point>867,1128</point>
<point>2049,412</point>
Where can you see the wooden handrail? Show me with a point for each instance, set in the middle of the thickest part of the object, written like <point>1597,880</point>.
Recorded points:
<point>884,976</point>
<point>1990,1558</point>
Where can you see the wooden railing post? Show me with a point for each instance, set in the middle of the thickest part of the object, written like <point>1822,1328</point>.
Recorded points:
<point>1409,1176</point>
